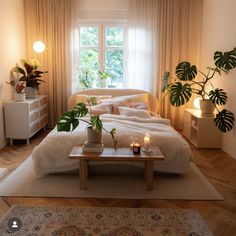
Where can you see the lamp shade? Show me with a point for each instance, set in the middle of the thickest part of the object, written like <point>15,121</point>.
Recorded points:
<point>38,46</point>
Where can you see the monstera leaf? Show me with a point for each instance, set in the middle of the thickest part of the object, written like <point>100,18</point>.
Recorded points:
<point>224,120</point>
<point>225,61</point>
<point>185,71</point>
<point>218,96</point>
<point>67,120</point>
<point>180,94</point>
<point>80,110</point>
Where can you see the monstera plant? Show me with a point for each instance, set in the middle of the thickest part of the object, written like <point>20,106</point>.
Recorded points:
<point>187,83</point>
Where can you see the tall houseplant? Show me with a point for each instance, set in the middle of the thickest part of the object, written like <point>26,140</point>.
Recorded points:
<point>71,119</point>
<point>186,84</point>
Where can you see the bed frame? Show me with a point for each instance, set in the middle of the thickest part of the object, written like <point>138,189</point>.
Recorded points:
<point>114,92</point>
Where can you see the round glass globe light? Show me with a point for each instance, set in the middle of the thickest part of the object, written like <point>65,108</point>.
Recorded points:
<point>38,46</point>
<point>196,103</point>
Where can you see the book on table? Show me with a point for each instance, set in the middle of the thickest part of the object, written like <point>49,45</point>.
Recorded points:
<point>88,147</point>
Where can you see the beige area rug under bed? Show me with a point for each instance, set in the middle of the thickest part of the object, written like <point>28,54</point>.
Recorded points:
<point>192,186</point>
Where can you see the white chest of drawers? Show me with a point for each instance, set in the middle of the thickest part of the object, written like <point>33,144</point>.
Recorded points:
<point>24,119</point>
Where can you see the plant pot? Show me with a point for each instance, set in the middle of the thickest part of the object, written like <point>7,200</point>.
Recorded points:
<point>93,137</point>
<point>207,107</point>
<point>19,97</point>
<point>30,92</point>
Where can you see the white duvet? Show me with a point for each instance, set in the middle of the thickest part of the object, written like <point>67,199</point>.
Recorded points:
<point>51,155</point>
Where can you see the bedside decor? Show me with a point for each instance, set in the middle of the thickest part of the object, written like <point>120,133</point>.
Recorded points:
<point>146,143</point>
<point>182,90</point>
<point>70,120</point>
<point>136,148</point>
<point>31,75</point>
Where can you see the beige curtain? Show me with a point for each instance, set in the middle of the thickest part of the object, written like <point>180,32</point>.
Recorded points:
<point>176,30</point>
<point>52,22</point>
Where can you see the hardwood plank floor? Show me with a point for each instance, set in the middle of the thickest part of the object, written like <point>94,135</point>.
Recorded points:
<point>219,168</point>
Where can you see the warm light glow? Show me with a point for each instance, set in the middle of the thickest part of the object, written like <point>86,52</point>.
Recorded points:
<point>38,46</point>
<point>196,103</point>
<point>146,142</point>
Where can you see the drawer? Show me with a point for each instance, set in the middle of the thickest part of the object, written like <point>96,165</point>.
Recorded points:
<point>44,121</point>
<point>44,111</point>
<point>43,101</point>
<point>34,128</point>
<point>34,116</point>
<point>34,105</point>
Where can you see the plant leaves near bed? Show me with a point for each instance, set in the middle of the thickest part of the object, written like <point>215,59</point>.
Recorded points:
<point>224,120</point>
<point>218,96</point>
<point>80,110</point>
<point>179,94</point>
<point>225,61</point>
<point>96,122</point>
<point>67,121</point>
<point>185,71</point>
<point>187,83</point>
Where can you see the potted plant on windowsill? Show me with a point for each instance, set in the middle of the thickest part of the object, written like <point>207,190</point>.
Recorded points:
<point>181,91</point>
<point>70,120</point>
<point>31,75</point>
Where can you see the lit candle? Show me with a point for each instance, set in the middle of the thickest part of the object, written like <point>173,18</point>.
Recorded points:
<point>136,148</point>
<point>146,143</point>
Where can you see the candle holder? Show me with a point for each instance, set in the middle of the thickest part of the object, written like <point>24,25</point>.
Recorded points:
<point>136,148</point>
<point>147,144</point>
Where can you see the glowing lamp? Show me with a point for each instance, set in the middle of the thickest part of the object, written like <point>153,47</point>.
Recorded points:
<point>196,103</point>
<point>38,46</point>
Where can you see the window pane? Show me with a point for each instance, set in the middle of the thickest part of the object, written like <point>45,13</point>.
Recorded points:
<point>114,67</point>
<point>114,36</point>
<point>88,36</point>
<point>88,68</point>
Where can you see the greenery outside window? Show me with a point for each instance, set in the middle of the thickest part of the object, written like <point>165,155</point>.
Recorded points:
<point>101,55</point>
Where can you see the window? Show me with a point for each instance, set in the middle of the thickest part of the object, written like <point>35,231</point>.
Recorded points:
<point>101,55</point>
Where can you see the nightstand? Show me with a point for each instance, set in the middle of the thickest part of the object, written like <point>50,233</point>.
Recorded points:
<point>24,119</point>
<point>201,130</point>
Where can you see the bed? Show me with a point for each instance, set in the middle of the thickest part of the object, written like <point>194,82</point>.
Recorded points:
<point>137,115</point>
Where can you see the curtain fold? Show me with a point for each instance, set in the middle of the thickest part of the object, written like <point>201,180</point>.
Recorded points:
<point>163,33</point>
<point>52,21</point>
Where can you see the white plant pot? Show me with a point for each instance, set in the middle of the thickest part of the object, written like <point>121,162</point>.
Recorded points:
<point>30,92</point>
<point>19,97</point>
<point>94,137</point>
<point>207,107</point>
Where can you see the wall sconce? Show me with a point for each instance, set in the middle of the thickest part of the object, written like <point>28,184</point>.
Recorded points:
<point>196,103</point>
<point>38,46</point>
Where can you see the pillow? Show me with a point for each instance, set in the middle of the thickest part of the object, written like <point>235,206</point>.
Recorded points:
<point>134,112</point>
<point>116,102</point>
<point>83,98</point>
<point>101,109</point>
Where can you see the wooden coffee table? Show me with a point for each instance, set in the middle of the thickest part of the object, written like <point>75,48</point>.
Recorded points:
<point>119,154</point>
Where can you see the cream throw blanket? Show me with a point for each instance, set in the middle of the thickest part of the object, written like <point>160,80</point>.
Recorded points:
<point>51,155</point>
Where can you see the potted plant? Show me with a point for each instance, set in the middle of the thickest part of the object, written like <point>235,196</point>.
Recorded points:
<point>19,95</point>
<point>70,120</point>
<point>181,90</point>
<point>31,75</point>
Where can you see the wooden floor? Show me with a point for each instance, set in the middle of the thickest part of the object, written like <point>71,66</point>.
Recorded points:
<point>214,163</point>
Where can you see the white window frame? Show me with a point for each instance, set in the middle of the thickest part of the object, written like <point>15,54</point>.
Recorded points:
<point>101,25</point>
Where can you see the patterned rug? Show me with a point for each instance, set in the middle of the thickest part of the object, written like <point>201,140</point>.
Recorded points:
<point>74,221</point>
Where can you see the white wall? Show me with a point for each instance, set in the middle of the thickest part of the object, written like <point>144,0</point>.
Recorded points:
<point>12,49</point>
<point>219,33</point>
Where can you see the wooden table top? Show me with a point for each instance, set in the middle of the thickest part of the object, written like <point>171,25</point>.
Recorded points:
<point>119,154</point>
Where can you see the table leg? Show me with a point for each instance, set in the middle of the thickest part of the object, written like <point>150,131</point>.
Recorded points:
<point>149,174</point>
<point>83,173</point>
